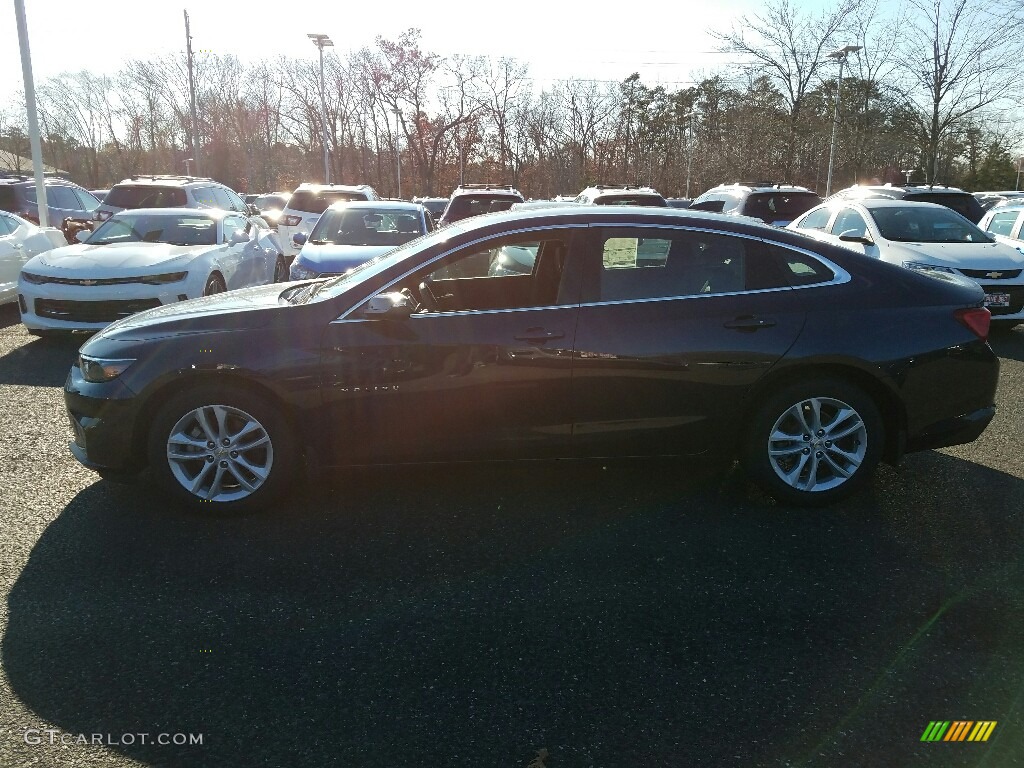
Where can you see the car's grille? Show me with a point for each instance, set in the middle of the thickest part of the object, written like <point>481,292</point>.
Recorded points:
<point>92,311</point>
<point>1016,299</point>
<point>982,274</point>
<point>44,279</point>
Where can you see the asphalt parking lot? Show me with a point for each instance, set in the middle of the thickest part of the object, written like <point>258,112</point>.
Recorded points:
<point>636,614</point>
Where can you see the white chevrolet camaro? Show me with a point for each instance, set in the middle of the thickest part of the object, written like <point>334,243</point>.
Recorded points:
<point>20,240</point>
<point>145,258</point>
<point>925,236</point>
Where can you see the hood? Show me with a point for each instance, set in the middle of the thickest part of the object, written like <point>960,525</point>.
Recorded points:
<point>188,316</point>
<point>98,260</point>
<point>339,258</point>
<point>957,255</point>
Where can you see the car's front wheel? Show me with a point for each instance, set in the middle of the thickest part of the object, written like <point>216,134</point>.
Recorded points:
<point>814,443</point>
<point>214,284</point>
<point>280,270</point>
<point>221,449</point>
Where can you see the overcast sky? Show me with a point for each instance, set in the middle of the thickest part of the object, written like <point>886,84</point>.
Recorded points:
<point>665,41</point>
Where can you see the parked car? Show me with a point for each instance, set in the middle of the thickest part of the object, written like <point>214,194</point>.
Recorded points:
<point>347,234</point>
<point>474,199</point>
<point>170,192</point>
<point>962,202</point>
<point>20,240</point>
<point>637,332</point>
<point>64,199</point>
<point>271,206</point>
<point>620,194</point>
<point>925,236</point>
<point>1006,224</point>
<point>306,204</point>
<point>99,194</point>
<point>776,204</point>
<point>146,258</point>
<point>435,205</point>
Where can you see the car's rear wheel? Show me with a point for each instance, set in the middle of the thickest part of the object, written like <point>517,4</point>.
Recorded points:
<point>814,443</point>
<point>214,284</point>
<point>221,449</point>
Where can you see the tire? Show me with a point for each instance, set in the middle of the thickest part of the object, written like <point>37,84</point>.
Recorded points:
<point>280,270</point>
<point>808,470</point>
<point>214,284</point>
<point>219,479</point>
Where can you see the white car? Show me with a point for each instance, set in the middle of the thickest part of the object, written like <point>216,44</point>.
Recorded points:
<point>304,207</point>
<point>925,236</point>
<point>1006,224</point>
<point>144,258</point>
<point>20,240</point>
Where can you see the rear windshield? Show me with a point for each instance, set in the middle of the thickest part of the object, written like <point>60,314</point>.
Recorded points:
<point>146,196</point>
<point>318,202</point>
<point>779,206</point>
<point>656,200</point>
<point>473,205</point>
<point>964,204</point>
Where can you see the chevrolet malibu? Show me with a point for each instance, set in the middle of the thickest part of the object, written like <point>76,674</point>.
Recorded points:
<point>624,332</point>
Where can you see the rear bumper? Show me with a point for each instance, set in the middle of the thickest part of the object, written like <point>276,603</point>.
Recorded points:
<point>956,431</point>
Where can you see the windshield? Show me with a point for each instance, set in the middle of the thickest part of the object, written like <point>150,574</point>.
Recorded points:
<point>375,266</point>
<point>926,225</point>
<point>266,202</point>
<point>367,226</point>
<point>187,229</point>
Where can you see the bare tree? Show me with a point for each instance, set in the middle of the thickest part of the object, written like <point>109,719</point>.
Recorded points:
<point>960,58</point>
<point>789,46</point>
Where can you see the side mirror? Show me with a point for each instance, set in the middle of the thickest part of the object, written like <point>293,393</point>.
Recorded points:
<point>853,236</point>
<point>394,305</point>
<point>299,238</point>
<point>82,235</point>
<point>238,237</point>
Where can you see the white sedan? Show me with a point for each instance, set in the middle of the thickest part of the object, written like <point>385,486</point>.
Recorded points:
<point>20,240</point>
<point>925,236</point>
<point>144,258</point>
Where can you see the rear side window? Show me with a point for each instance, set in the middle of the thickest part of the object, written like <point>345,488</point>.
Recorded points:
<point>799,268</point>
<point>207,197</point>
<point>964,204</point>
<point>63,198</point>
<point>6,226</point>
<point>309,201</point>
<point>145,196</point>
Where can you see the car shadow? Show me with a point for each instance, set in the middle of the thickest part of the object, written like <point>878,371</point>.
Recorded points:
<point>9,315</point>
<point>628,612</point>
<point>42,362</point>
<point>1009,344</point>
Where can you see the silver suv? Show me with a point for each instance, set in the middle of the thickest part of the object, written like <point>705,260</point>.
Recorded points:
<point>772,203</point>
<point>169,192</point>
<point>306,204</point>
<point>621,194</point>
<point>64,200</point>
<point>474,199</point>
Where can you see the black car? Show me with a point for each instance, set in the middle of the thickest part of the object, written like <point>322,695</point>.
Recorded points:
<point>619,331</point>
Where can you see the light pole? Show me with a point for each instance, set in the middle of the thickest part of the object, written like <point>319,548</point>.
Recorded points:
<point>689,149</point>
<point>192,94</point>
<point>398,153</point>
<point>30,105</point>
<point>841,54</point>
<point>321,42</point>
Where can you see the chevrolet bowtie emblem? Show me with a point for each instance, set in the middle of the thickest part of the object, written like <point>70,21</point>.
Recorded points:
<point>993,275</point>
<point>88,282</point>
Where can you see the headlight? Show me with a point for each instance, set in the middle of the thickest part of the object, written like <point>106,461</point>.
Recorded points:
<point>28,277</point>
<point>300,272</point>
<point>97,370</point>
<point>170,277</point>
<point>922,265</point>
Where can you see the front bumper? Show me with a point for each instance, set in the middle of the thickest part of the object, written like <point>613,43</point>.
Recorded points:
<point>103,420</point>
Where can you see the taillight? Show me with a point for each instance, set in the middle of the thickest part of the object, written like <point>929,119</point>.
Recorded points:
<point>101,215</point>
<point>977,320</point>
<point>290,221</point>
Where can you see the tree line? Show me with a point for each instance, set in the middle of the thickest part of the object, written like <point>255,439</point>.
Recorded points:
<point>935,92</point>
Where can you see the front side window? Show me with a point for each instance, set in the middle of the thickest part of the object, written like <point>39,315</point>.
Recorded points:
<point>850,223</point>
<point>147,228</point>
<point>234,223</point>
<point>504,273</point>
<point>1002,223</point>
<point>367,226</point>
<point>62,197</point>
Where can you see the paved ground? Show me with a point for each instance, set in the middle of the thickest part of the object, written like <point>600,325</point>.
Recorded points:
<point>632,615</point>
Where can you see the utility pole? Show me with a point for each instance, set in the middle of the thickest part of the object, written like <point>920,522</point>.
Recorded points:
<point>398,152</point>
<point>33,120</point>
<point>321,42</point>
<point>689,158</point>
<point>192,96</point>
<point>841,54</point>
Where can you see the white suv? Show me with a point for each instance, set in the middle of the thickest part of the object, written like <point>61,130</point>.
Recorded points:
<point>306,204</point>
<point>169,192</point>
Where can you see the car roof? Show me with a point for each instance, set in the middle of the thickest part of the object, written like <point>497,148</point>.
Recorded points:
<point>393,205</point>
<point>168,180</point>
<point>612,214</point>
<point>758,186</point>
<point>211,213</point>
<point>1015,206</point>
<point>885,202</point>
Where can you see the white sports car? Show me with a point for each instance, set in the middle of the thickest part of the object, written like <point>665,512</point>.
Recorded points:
<point>20,240</point>
<point>925,236</point>
<point>144,258</point>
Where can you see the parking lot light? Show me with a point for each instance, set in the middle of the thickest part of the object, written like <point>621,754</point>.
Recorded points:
<point>841,55</point>
<point>321,42</point>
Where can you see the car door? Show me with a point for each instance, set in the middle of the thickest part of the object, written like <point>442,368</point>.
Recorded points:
<point>675,327</point>
<point>480,371</point>
<point>237,260</point>
<point>12,257</point>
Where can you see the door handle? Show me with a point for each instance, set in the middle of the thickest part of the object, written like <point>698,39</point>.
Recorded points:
<point>539,335</point>
<point>749,323</point>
